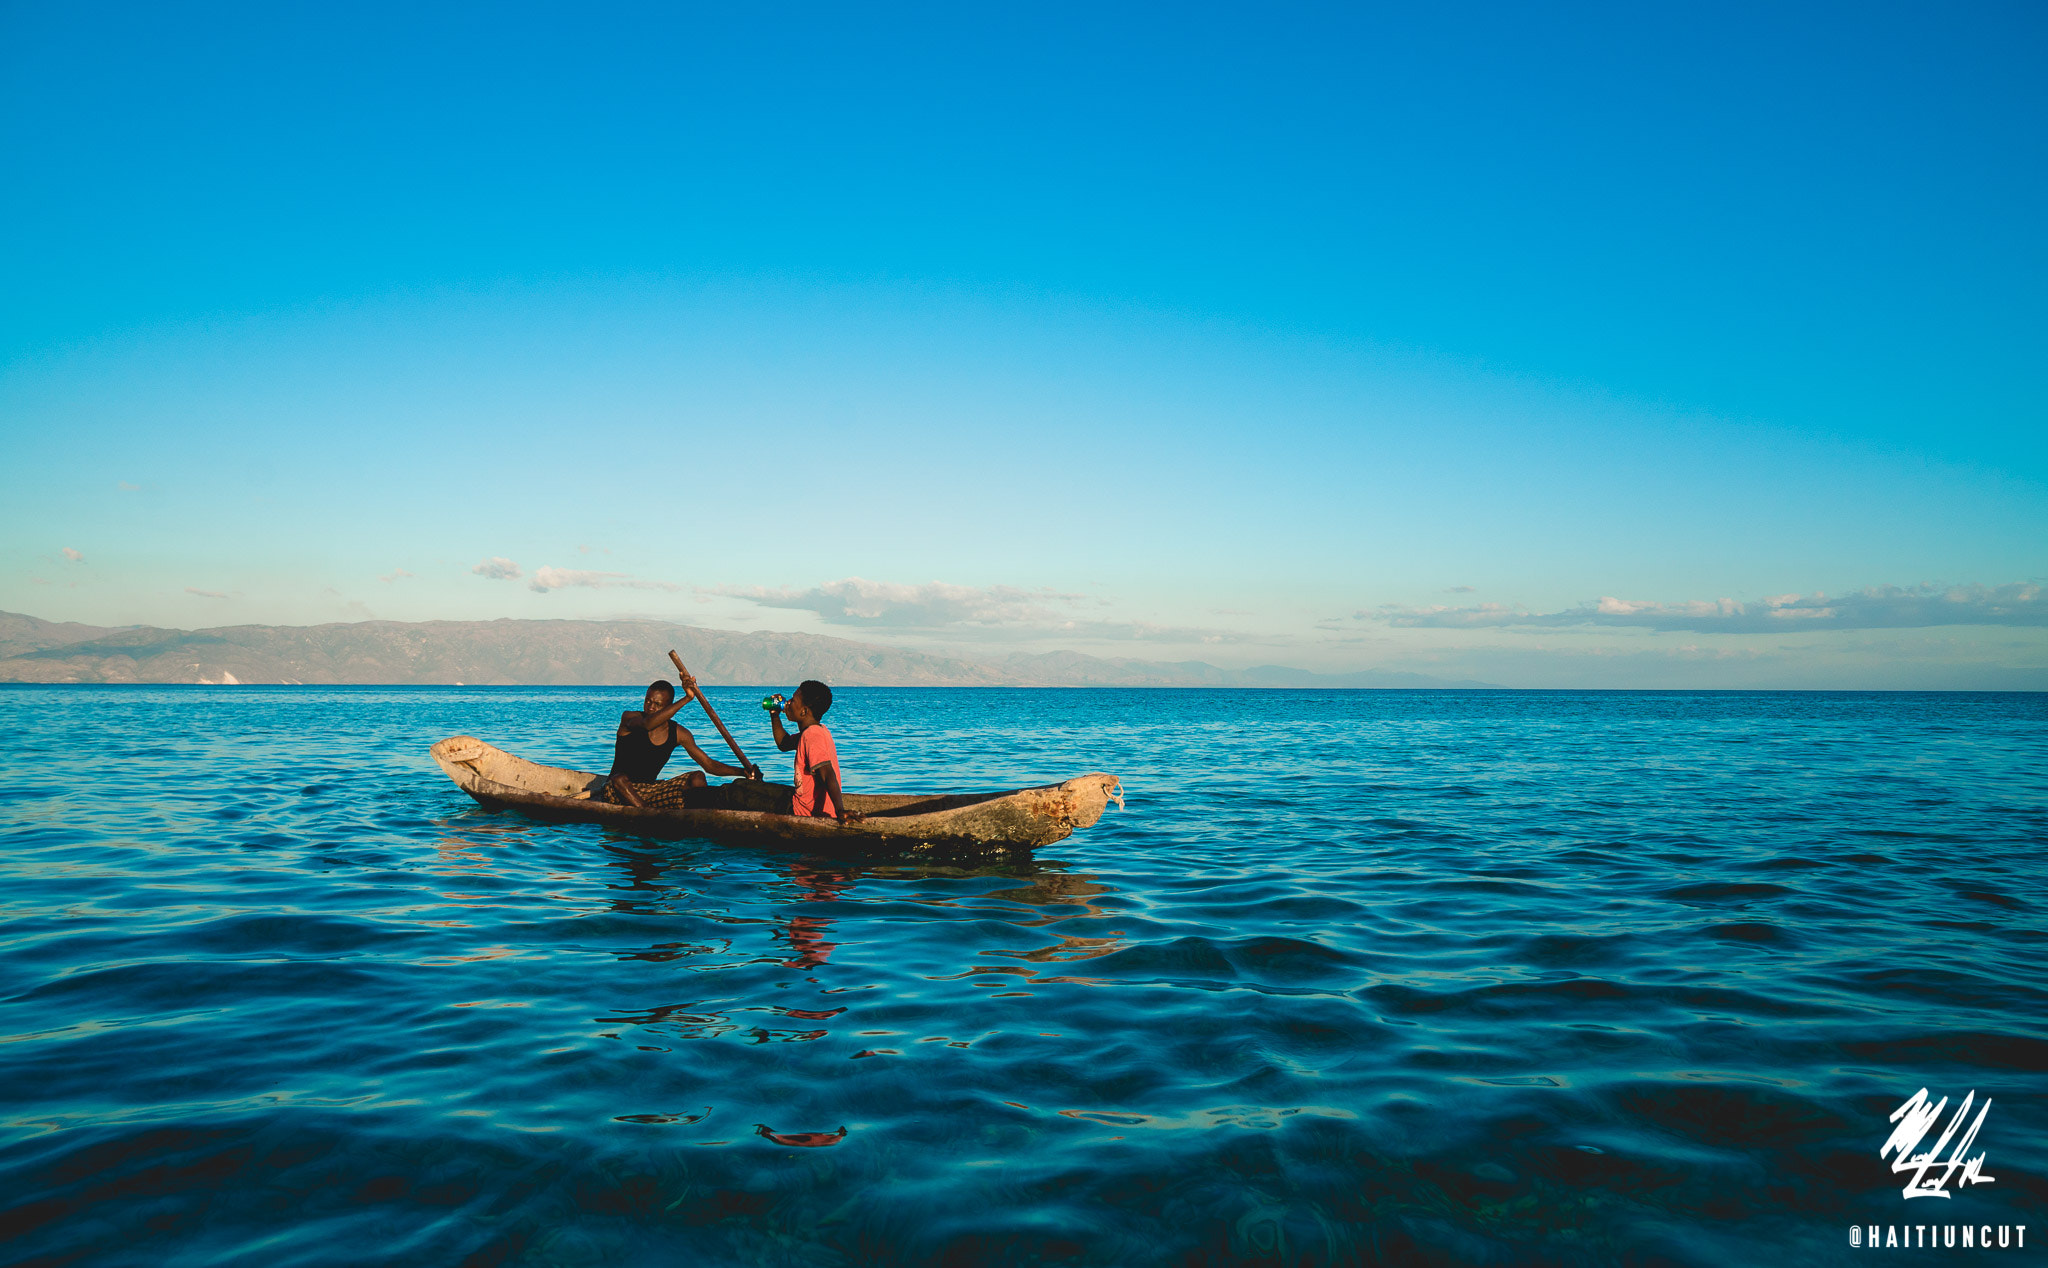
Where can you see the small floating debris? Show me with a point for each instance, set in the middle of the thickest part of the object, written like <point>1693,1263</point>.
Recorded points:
<point>801,1140</point>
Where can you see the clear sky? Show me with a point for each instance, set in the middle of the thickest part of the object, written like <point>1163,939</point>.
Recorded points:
<point>1625,345</point>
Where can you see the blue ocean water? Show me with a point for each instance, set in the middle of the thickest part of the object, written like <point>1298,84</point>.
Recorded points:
<point>1355,977</point>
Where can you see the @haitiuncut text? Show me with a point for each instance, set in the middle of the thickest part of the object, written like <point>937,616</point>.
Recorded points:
<point>1914,1119</point>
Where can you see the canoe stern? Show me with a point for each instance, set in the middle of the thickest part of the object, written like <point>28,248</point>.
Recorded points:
<point>1078,802</point>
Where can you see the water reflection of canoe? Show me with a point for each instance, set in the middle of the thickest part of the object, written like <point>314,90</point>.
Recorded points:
<point>759,813</point>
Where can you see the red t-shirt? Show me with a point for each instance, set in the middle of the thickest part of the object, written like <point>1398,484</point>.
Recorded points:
<point>814,748</point>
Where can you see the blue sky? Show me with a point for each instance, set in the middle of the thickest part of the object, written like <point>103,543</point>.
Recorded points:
<point>1321,336</point>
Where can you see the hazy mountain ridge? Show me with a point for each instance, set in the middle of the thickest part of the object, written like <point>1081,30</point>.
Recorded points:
<point>20,633</point>
<point>545,653</point>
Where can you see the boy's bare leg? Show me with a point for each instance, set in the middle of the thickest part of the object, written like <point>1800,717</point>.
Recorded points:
<point>622,788</point>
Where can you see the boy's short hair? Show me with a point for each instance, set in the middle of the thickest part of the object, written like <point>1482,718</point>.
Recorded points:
<point>664,686</point>
<point>817,697</point>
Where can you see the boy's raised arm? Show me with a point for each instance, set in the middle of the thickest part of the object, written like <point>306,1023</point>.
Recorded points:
<point>711,763</point>
<point>640,720</point>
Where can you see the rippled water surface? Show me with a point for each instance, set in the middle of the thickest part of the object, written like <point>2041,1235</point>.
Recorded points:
<point>1356,977</point>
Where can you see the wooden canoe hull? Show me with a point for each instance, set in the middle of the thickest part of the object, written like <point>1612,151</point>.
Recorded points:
<point>901,822</point>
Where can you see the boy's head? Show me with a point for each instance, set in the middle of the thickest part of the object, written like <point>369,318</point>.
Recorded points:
<point>659,695</point>
<point>813,698</point>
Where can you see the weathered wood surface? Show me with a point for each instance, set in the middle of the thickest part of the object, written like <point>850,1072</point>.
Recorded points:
<point>896,821</point>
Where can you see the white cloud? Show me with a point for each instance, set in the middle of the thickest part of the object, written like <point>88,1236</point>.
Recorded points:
<point>72,555</point>
<point>877,604</point>
<point>546,578</point>
<point>1875,608</point>
<point>205,594</point>
<point>394,575</point>
<point>968,612</point>
<point>498,568</point>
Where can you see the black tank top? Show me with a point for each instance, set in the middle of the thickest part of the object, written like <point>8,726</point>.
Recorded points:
<point>641,759</point>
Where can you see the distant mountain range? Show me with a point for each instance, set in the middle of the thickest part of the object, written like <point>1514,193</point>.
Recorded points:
<point>542,653</point>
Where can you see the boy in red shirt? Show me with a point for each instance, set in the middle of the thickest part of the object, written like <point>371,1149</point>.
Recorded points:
<point>819,793</point>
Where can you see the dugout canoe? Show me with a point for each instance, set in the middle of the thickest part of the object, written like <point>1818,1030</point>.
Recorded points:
<point>895,821</point>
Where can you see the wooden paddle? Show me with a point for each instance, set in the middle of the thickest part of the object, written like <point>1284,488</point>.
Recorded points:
<point>712,713</point>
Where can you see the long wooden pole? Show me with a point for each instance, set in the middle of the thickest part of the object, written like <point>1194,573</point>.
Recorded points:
<point>712,713</point>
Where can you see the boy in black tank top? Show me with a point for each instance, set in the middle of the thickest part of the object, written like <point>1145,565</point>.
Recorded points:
<point>645,739</point>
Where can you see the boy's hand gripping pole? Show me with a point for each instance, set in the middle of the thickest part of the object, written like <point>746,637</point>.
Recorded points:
<point>712,713</point>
